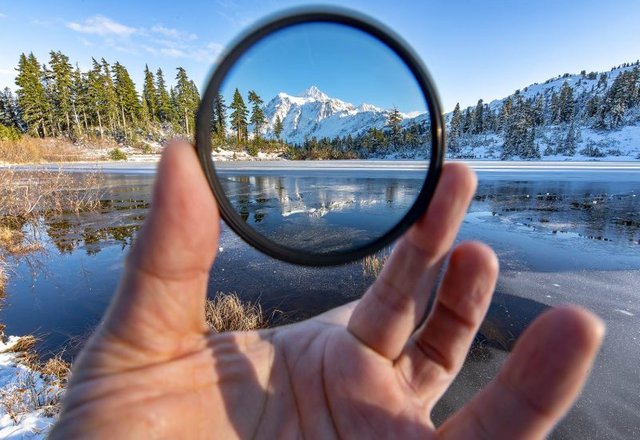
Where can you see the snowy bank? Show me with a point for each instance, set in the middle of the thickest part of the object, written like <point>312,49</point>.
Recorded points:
<point>28,398</point>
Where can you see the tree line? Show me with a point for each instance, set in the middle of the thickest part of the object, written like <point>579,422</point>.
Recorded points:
<point>519,120</point>
<point>58,99</point>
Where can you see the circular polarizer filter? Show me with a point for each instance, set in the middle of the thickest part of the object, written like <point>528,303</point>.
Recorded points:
<point>321,136</point>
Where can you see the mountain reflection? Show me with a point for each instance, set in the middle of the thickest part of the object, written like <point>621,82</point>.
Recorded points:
<point>321,212</point>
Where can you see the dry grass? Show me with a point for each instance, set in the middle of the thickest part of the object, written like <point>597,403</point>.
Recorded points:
<point>34,150</point>
<point>372,265</point>
<point>226,312</point>
<point>26,194</point>
<point>23,345</point>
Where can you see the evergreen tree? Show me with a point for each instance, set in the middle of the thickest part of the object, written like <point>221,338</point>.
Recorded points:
<point>566,105</point>
<point>186,100</point>
<point>31,95</point>
<point>239,116</point>
<point>97,96</point>
<point>61,89</point>
<point>519,136</point>
<point>393,124</point>
<point>453,138</point>
<point>257,118</point>
<point>569,143</point>
<point>220,110</point>
<point>278,127</point>
<point>538,111</point>
<point>150,94</point>
<point>79,100</point>
<point>110,98</point>
<point>10,112</point>
<point>467,121</point>
<point>163,100</point>
<point>478,118</point>
<point>127,97</point>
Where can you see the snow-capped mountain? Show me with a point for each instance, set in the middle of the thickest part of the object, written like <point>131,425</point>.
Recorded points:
<point>314,114</point>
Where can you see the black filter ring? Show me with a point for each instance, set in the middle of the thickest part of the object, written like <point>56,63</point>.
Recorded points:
<point>320,15</point>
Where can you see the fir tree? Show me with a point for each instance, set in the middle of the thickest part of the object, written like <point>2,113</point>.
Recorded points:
<point>127,97</point>
<point>393,124</point>
<point>257,118</point>
<point>478,118</point>
<point>10,113</point>
<point>61,88</point>
<point>110,98</point>
<point>149,94</point>
<point>453,138</point>
<point>239,116</point>
<point>186,100</point>
<point>278,127</point>
<point>220,110</point>
<point>31,95</point>
<point>163,100</point>
<point>566,105</point>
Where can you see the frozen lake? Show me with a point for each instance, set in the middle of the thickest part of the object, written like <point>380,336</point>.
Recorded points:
<point>564,232</point>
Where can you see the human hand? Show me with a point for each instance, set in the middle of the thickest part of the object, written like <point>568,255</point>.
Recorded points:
<point>153,369</point>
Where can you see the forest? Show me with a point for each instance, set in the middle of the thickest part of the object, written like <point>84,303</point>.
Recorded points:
<point>56,99</point>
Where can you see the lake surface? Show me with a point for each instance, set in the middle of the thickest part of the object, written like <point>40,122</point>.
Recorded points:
<point>565,234</point>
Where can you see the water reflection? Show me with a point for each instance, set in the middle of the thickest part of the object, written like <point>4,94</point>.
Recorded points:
<point>321,213</point>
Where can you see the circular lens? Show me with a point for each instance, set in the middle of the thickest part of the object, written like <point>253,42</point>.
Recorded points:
<point>320,141</point>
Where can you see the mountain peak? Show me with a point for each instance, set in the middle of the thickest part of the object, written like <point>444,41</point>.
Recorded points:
<point>314,92</point>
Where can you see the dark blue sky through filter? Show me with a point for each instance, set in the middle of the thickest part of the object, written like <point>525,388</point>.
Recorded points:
<point>342,62</point>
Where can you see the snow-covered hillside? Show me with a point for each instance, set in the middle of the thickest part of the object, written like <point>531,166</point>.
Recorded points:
<point>593,116</point>
<point>314,114</point>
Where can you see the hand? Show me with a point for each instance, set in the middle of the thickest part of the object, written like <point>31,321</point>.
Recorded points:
<point>153,369</point>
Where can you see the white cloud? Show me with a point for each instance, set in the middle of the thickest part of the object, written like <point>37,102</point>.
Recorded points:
<point>173,33</point>
<point>157,40</point>
<point>100,25</point>
<point>9,71</point>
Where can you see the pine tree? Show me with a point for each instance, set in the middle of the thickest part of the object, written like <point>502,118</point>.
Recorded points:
<point>163,100</point>
<point>127,97</point>
<point>79,100</point>
<point>149,94</point>
<point>31,95</point>
<point>97,97</point>
<point>453,138</point>
<point>566,105</point>
<point>467,121</point>
<point>186,100</point>
<point>569,143</point>
<point>61,89</point>
<point>478,118</point>
<point>538,111</point>
<point>239,116</point>
<point>393,124</point>
<point>10,112</point>
<point>257,118</point>
<point>220,110</point>
<point>109,94</point>
<point>278,127</point>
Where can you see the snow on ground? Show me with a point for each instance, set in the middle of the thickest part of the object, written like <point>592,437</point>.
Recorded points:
<point>21,417</point>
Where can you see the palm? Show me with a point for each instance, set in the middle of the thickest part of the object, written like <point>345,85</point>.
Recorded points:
<point>371,369</point>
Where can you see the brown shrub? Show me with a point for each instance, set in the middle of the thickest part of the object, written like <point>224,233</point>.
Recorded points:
<point>226,312</point>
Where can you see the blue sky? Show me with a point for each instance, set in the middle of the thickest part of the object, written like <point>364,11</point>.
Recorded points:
<point>474,49</point>
<point>339,60</point>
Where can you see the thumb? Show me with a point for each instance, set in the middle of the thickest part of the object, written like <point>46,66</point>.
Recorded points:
<point>158,309</point>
